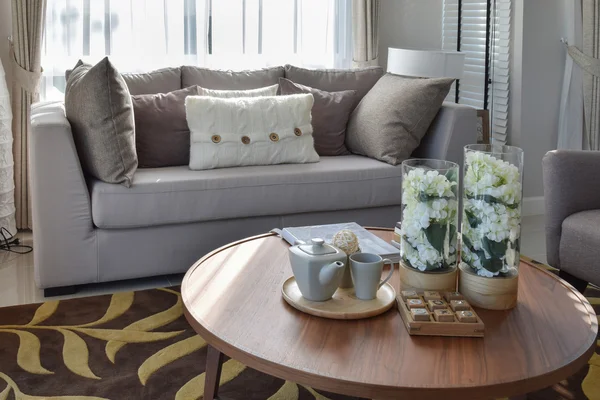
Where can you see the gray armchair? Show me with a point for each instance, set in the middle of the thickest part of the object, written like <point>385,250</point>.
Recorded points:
<point>572,197</point>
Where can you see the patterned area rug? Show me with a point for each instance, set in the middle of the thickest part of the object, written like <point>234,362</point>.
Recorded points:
<point>139,346</point>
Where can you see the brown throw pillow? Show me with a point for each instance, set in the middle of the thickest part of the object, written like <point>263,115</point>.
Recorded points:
<point>330,114</point>
<point>162,136</point>
<point>394,116</point>
<point>98,106</point>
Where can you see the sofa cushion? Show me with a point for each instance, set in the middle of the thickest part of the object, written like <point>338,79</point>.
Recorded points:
<point>335,80</point>
<point>230,80</point>
<point>99,109</point>
<point>579,250</point>
<point>162,135</point>
<point>229,94</point>
<point>394,116</point>
<point>242,131</point>
<point>330,115</point>
<point>162,80</point>
<point>178,195</point>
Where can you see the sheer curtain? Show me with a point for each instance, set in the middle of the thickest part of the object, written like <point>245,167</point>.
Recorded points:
<point>141,35</point>
<point>570,120</point>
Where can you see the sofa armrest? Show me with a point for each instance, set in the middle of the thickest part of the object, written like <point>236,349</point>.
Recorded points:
<point>64,238</point>
<point>453,128</point>
<point>570,186</point>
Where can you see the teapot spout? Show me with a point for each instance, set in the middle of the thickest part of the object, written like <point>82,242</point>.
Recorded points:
<point>329,272</point>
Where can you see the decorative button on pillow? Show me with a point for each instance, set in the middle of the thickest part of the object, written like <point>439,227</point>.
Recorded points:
<point>234,132</point>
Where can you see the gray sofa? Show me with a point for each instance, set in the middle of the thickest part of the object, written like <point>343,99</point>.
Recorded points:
<point>87,231</point>
<point>572,198</point>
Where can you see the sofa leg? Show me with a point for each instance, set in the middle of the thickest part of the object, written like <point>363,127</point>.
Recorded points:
<point>60,291</point>
<point>577,283</point>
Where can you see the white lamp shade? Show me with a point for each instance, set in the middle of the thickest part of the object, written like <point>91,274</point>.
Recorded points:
<point>426,63</point>
<point>7,185</point>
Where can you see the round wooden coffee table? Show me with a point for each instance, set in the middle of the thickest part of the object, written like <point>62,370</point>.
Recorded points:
<point>232,298</point>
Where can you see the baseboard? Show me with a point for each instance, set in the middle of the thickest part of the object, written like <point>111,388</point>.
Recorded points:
<point>533,206</point>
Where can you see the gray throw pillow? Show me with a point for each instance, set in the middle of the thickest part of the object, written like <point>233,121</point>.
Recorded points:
<point>394,116</point>
<point>162,135</point>
<point>98,107</point>
<point>330,114</point>
<point>163,80</point>
<point>334,80</point>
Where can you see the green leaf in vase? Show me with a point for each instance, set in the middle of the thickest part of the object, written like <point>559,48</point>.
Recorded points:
<point>423,197</point>
<point>436,234</point>
<point>494,249</point>
<point>452,175</point>
<point>474,221</point>
<point>467,242</point>
<point>491,264</point>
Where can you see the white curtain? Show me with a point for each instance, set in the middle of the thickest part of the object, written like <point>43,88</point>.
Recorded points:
<point>26,48</point>
<point>7,185</point>
<point>141,35</point>
<point>571,117</point>
<point>365,33</point>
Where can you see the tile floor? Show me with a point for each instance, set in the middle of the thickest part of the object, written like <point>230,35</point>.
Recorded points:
<point>17,284</point>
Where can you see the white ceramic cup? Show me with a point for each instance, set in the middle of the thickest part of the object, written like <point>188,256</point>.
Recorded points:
<point>366,272</point>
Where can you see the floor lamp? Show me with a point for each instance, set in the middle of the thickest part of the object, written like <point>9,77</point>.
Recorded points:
<point>7,184</point>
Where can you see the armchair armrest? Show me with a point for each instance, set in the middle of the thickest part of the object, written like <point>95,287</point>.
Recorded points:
<point>570,186</point>
<point>64,237</point>
<point>453,128</point>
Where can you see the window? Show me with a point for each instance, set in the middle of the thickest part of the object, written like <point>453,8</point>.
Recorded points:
<point>481,29</point>
<point>141,35</point>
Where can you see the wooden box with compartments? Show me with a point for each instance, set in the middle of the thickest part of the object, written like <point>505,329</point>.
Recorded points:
<point>431,313</point>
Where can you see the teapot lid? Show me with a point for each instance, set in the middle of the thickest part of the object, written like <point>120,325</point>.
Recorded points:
<point>317,247</point>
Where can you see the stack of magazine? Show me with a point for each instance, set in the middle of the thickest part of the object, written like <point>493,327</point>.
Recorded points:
<point>368,242</point>
<point>397,235</point>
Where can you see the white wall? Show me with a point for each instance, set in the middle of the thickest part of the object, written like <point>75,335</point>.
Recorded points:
<point>413,24</point>
<point>538,62</point>
<point>5,32</point>
<point>538,68</point>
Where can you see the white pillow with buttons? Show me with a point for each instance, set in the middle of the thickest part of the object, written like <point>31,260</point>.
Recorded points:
<point>235,132</point>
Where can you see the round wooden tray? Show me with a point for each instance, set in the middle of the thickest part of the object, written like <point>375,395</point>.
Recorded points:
<point>343,305</point>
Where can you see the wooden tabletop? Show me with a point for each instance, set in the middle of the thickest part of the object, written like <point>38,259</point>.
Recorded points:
<point>232,298</point>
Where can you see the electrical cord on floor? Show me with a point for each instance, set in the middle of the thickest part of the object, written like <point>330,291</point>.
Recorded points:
<point>12,244</point>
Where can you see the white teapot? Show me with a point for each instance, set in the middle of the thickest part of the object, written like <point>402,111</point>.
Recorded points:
<point>318,269</point>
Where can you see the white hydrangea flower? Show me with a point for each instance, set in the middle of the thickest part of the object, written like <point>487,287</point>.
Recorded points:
<point>428,198</point>
<point>492,190</point>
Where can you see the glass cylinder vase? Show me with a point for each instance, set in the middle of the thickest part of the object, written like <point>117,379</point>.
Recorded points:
<point>491,218</point>
<point>429,215</point>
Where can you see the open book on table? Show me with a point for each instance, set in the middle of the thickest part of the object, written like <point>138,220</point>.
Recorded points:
<point>368,242</point>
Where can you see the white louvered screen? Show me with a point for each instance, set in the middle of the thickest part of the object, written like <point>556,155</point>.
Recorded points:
<point>473,33</point>
<point>499,89</point>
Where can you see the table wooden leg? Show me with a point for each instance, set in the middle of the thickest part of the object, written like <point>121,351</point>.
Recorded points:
<point>212,375</point>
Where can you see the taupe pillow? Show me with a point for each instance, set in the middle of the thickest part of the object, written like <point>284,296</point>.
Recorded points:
<point>230,80</point>
<point>394,116</point>
<point>334,80</point>
<point>98,106</point>
<point>330,114</point>
<point>162,136</point>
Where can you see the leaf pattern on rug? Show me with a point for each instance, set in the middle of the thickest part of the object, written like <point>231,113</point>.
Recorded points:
<point>75,351</point>
<point>28,355</point>
<point>19,395</point>
<point>168,355</point>
<point>194,388</point>
<point>147,324</point>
